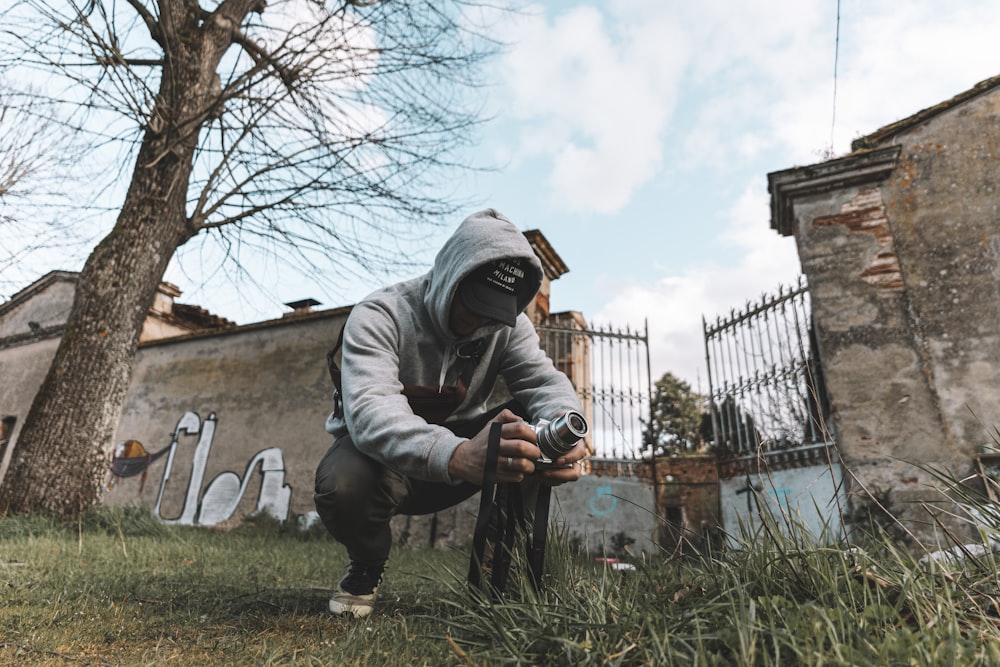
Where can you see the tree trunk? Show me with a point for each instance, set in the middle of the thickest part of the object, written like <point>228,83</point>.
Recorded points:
<point>62,455</point>
<point>63,451</point>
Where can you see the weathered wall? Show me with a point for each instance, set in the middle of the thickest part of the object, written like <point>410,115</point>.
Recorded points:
<point>263,392</point>
<point>808,500</point>
<point>232,422</point>
<point>899,243</point>
<point>259,395</point>
<point>603,513</point>
<point>945,210</point>
<point>882,403</point>
<point>22,369</point>
<point>598,513</point>
<point>28,340</point>
<point>55,290</point>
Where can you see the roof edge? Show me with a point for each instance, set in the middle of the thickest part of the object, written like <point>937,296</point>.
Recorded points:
<point>34,288</point>
<point>882,134</point>
<point>552,263</point>
<point>856,169</point>
<point>251,326</point>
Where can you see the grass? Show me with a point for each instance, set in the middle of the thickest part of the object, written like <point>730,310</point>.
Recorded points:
<point>121,589</point>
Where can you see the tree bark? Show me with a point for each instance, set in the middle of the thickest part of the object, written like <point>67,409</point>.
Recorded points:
<point>63,452</point>
<point>62,455</point>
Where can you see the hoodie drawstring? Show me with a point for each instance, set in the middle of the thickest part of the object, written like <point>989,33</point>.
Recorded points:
<point>444,367</point>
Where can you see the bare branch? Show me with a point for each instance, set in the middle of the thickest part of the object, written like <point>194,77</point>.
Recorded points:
<point>152,25</point>
<point>265,59</point>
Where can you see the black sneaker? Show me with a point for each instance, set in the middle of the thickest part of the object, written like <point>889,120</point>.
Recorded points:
<point>357,591</point>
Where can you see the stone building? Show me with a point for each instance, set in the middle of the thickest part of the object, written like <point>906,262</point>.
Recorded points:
<point>900,243</point>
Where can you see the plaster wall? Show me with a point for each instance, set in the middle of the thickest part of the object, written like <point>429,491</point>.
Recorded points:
<point>904,276</point>
<point>50,308</point>
<point>595,513</point>
<point>22,369</point>
<point>248,407</point>
<point>232,422</point>
<point>596,510</point>
<point>260,389</point>
<point>881,402</point>
<point>945,217</point>
<point>793,500</point>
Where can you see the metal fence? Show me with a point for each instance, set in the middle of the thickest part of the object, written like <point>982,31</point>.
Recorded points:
<point>766,389</point>
<point>610,370</point>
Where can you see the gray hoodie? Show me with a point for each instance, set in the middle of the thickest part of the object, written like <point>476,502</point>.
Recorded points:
<point>400,335</point>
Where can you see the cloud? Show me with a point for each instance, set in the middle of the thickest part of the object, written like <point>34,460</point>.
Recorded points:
<point>761,86</point>
<point>764,77</point>
<point>674,304</point>
<point>600,88</point>
<point>597,94</point>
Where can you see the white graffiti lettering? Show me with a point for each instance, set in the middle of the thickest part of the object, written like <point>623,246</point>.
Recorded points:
<point>224,493</point>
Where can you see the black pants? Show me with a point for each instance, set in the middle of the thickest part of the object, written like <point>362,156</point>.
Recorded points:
<point>356,496</point>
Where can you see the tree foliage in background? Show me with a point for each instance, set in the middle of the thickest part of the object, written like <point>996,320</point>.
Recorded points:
<point>675,417</point>
<point>316,130</point>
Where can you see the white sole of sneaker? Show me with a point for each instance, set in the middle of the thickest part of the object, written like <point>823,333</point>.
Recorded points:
<point>351,609</point>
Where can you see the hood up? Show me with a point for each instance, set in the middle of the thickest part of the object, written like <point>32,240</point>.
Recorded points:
<point>483,237</point>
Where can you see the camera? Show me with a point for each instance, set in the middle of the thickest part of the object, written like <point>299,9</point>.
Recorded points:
<point>557,437</point>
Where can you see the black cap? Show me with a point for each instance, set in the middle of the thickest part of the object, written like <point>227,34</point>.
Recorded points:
<point>492,290</point>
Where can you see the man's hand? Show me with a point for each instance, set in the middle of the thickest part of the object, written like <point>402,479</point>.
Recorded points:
<point>567,468</point>
<point>518,453</point>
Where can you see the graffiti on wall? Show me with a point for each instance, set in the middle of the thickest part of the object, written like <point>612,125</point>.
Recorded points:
<point>806,497</point>
<point>603,501</point>
<point>131,459</point>
<point>220,499</point>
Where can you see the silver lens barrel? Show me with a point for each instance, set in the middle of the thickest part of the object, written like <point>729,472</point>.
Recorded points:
<point>559,436</point>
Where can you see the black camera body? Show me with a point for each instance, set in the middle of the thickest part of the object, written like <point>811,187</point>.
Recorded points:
<point>558,436</point>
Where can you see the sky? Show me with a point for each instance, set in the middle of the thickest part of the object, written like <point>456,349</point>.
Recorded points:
<point>637,135</point>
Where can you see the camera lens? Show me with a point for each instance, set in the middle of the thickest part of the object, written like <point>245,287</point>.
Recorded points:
<point>557,437</point>
<point>576,424</point>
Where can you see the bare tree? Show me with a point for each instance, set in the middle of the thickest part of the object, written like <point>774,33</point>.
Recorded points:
<point>320,128</point>
<point>32,151</point>
<point>17,159</point>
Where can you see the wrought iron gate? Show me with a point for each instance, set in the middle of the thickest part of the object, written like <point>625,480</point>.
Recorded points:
<point>610,370</point>
<point>766,388</point>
